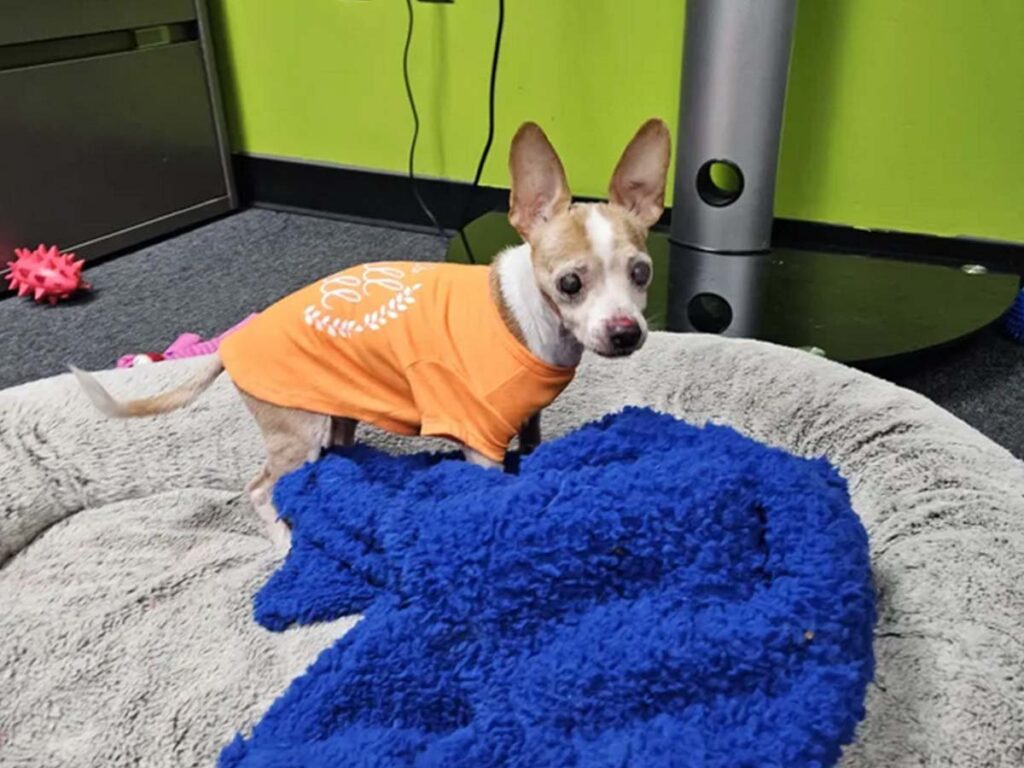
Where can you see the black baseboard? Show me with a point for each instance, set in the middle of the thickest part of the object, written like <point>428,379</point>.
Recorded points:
<point>365,195</point>
<point>911,246</point>
<point>372,196</point>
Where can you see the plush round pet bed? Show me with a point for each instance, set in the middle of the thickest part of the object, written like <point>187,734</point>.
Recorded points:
<point>130,559</point>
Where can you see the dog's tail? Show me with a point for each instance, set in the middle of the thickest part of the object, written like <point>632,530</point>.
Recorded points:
<point>149,406</point>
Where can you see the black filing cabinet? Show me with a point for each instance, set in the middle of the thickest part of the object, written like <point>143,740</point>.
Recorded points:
<point>111,130</point>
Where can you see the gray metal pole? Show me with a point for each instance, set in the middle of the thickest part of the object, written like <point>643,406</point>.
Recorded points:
<point>735,66</point>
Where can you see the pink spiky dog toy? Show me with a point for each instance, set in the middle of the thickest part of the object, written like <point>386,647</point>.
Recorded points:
<point>46,273</point>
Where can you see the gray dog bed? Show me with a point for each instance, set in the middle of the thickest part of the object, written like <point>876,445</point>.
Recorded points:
<point>129,556</point>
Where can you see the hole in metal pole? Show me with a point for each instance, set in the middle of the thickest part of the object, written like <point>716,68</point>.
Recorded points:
<point>719,182</point>
<point>709,313</point>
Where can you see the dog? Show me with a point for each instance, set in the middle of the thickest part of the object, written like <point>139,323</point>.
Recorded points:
<point>470,353</point>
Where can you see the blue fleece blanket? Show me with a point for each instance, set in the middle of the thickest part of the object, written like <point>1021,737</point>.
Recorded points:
<point>642,593</point>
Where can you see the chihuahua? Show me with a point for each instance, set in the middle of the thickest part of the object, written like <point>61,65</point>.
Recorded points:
<point>468,353</point>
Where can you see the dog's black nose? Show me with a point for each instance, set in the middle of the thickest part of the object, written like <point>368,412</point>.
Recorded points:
<point>624,334</point>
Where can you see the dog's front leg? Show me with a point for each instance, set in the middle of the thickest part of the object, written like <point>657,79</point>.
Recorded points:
<point>529,435</point>
<point>474,457</point>
<point>343,432</point>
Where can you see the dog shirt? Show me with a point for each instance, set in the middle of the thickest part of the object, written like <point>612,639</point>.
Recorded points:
<point>411,348</point>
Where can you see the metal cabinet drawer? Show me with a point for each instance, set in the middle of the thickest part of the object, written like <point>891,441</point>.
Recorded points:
<point>23,21</point>
<point>100,150</point>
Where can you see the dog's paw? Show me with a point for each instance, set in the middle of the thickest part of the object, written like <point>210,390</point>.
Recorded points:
<point>278,532</point>
<point>280,537</point>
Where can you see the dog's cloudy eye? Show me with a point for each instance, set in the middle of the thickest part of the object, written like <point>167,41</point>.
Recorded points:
<point>570,284</point>
<point>641,273</point>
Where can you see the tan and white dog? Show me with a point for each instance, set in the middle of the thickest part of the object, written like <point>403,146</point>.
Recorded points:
<point>579,281</point>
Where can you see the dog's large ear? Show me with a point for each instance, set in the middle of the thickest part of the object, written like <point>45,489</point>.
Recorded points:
<point>539,189</point>
<point>638,183</point>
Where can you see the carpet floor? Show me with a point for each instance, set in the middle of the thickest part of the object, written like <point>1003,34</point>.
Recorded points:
<point>207,279</point>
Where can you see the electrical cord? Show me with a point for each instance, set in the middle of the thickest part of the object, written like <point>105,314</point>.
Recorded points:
<point>490,131</point>
<point>416,130</point>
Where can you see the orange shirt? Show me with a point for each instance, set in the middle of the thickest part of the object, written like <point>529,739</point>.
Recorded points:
<point>411,348</point>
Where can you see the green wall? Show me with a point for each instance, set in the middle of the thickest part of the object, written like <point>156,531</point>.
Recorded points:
<point>901,114</point>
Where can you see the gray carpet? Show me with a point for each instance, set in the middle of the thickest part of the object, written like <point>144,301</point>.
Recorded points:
<point>203,281</point>
<point>207,279</point>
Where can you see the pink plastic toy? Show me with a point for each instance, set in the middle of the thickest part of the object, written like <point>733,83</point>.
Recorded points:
<point>46,273</point>
<point>186,345</point>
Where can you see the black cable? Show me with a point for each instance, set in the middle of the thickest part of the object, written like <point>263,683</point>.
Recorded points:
<point>490,131</point>
<point>416,129</point>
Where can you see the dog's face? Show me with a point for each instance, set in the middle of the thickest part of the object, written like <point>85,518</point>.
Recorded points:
<point>589,259</point>
<point>591,265</point>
